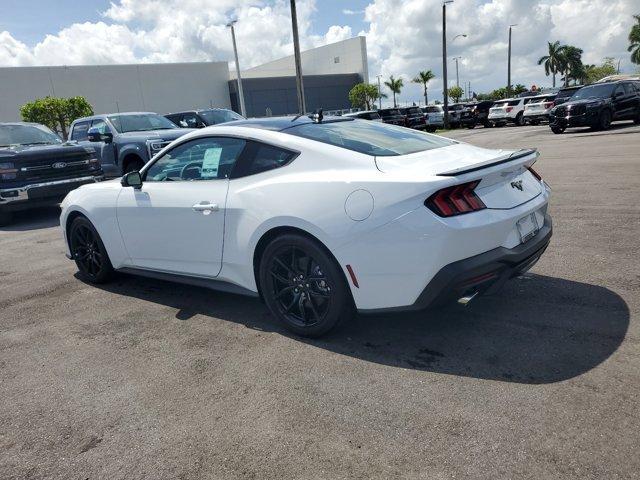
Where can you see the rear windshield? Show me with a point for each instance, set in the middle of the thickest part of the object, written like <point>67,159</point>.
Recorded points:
<point>389,113</point>
<point>433,110</point>
<point>511,103</point>
<point>414,111</point>
<point>371,138</point>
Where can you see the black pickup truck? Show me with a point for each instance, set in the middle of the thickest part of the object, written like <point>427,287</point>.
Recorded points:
<point>37,168</point>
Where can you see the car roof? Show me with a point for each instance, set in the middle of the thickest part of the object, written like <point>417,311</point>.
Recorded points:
<point>197,110</point>
<point>350,114</point>
<point>105,115</point>
<point>22,123</point>
<point>278,124</point>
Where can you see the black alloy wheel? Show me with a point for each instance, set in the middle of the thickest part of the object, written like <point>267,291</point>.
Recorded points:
<point>303,286</point>
<point>88,252</point>
<point>604,122</point>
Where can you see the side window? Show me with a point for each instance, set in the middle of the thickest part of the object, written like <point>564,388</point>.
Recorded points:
<point>266,157</point>
<point>174,118</point>
<point>79,132</point>
<point>101,125</point>
<point>208,158</point>
<point>191,120</point>
<point>619,89</point>
<point>629,90</point>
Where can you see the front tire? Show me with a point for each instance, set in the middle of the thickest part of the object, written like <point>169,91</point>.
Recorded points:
<point>519,119</point>
<point>604,121</point>
<point>303,286</point>
<point>636,119</point>
<point>89,252</point>
<point>5,218</point>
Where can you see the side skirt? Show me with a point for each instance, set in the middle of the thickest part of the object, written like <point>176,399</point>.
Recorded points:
<point>209,283</point>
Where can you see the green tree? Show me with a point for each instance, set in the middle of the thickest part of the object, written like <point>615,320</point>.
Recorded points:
<point>593,73</point>
<point>519,88</point>
<point>455,93</point>
<point>424,77</point>
<point>395,85</point>
<point>572,63</point>
<point>634,41</point>
<point>554,60</point>
<point>56,113</point>
<point>363,95</point>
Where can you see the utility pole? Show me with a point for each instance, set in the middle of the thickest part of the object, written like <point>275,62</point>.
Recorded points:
<point>243,111</point>
<point>302,108</point>
<point>509,62</point>
<point>379,94</point>
<point>445,93</point>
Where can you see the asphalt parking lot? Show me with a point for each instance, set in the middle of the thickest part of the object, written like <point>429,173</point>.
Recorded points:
<point>146,379</point>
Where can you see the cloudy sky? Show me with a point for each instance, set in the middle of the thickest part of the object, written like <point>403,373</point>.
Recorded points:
<point>403,36</point>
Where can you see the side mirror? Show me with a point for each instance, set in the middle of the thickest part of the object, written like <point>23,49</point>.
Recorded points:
<point>94,135</point>
<point>132,179</point>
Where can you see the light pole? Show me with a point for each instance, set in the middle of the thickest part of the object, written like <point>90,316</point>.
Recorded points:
<point>302,108</point>
<point>509,62</point>
<point>379,94</point>
<point>445,93</point>
<point>243,112</point>
<point>457,76</point>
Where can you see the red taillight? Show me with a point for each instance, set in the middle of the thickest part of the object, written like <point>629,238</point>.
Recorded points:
<point>548,105</point>
<point>455,200</point>
<point>509,109</point>
<point>534,173</point>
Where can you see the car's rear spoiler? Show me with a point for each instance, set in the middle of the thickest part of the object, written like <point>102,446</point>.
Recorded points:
<point>517,155</point>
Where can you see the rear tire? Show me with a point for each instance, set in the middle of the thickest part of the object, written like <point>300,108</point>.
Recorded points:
<point>88,252</point>
<point>558,130</point>
<point>5,218</point>
<point>303,286</point>
<point>519,120</point>
<point>534,122</point>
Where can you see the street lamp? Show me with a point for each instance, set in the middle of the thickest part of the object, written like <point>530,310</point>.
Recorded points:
<point>379,94</point>
<point>243,112</point>
<point>460,35</point>
<point>457,77</point>
<point>445,93</point>
<point>509,61</point>
<point>302,108</point>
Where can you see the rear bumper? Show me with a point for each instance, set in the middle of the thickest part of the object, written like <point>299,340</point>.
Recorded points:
<point>482,273</point>
<point>536,116</point>
<point>19,198</point>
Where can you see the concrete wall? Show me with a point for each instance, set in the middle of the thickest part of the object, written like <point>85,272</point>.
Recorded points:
<point>279,95</point>
<point>158,88</point>
<point>347,56</point>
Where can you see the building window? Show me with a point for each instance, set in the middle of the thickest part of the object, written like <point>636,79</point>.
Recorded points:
<point>336,59</point>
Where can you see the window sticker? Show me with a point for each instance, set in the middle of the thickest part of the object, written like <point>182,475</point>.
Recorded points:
<point>211,162</point>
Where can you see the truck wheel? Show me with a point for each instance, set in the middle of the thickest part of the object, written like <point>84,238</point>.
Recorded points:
<point>5,218</point>
<point>604,122</point>
<point>133,166</point>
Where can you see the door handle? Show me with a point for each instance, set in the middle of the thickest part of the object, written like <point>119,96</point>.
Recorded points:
<point>206,208</point>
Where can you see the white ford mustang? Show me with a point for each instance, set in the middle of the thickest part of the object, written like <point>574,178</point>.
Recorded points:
<point>317,216</point>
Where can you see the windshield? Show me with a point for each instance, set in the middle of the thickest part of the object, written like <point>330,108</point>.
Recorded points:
<point>140,122</point>
<point>371,138</point>
<point>27,135</point>
<point>213,117</point>
<point>594,91</point>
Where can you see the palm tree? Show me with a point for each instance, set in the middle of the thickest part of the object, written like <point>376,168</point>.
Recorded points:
<point>424,77</point>
<point>572,60</point>
<point>395,85</point>
<point>554,61</point>
<point>634,41</point>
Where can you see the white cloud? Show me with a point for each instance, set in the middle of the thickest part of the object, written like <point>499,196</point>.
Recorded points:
<point>403,36</point>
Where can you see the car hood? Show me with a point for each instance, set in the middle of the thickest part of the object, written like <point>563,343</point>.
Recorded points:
<point>583,101</point>
<point>18,152</point>
<point>171,134</point>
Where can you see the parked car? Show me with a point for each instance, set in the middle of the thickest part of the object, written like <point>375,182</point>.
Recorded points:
<point>37,168</point>
<point>248,207</point>
<point>597,106</point>
<point>434,114</point>
<point>510,110</point>
<point>478,114</point>
<point>456,111</point>
<point>365,115</point>
<point>203,118</point>
<point>413,118</point>
<point>565,93</point>
<point>124,142</point>
<point>392,116</point>
<point>537,108</point>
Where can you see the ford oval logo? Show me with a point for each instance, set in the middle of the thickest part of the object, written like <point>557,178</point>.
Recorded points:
<point>59,165</point>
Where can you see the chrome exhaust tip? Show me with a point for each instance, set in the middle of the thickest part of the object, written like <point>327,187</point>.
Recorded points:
<point>467,298</point>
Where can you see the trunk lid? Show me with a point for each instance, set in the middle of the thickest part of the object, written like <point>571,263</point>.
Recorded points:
<point>505,181</point>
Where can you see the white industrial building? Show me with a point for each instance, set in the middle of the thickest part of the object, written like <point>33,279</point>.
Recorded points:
<point>329,73</point>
